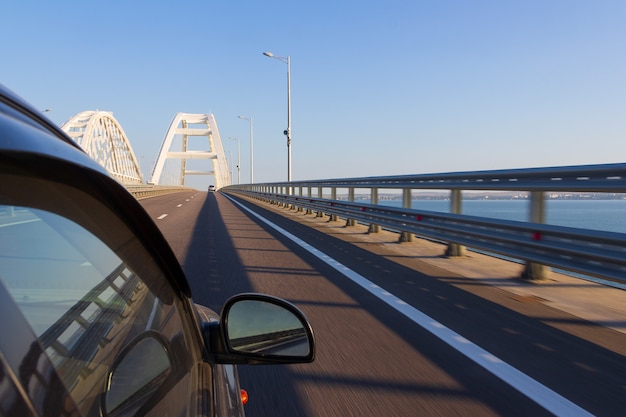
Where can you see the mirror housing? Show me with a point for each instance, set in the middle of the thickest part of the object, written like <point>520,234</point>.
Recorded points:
<point>258,329</point>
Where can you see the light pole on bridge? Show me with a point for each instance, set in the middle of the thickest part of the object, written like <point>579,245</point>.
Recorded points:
<point>251,149</point>
<point>286,60</point>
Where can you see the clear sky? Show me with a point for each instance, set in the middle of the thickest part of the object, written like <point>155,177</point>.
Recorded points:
<point>378,87</point>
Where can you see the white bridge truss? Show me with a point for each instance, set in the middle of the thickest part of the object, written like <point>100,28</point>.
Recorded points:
<point>104,140</point>
<point>191,134</point>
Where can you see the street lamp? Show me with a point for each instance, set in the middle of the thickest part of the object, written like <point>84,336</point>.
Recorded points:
<point>251,149</point>
<point>238,160</point>
<point>287,132</point>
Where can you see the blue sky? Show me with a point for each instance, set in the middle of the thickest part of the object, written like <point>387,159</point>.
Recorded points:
<point>378,87</point>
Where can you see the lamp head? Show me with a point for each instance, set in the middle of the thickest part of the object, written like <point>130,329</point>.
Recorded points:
<point>271,55</point>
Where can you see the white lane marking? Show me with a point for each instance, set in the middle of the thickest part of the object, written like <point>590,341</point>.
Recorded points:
<point>180,205</point>
<point>162,216</point>
<point>542,395</point>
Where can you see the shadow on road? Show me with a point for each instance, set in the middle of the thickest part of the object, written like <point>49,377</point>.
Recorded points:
<point>215,273</point>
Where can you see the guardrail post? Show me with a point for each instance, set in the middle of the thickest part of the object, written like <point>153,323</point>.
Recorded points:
<point>406,203</point>
<point>534,271</point>
<point>333,196</point>
<point>299,208</point>
<point>350,222</point>
<point>374,228</point>
<point>290,191</point>
<point>271,190</point>
<point>293,193</point>
<point>320,195</point>
<point>308,194</point>
<point>454,249</point>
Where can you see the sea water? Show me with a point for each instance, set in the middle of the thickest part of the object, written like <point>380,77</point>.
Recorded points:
<point>607,215</point>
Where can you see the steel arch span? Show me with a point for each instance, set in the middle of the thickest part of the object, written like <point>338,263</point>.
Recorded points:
<point>102,137</point>
<point>190,134</point>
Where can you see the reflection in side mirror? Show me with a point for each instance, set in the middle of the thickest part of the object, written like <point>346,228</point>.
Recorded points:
<point>266,327</point>
<point>138,372</point>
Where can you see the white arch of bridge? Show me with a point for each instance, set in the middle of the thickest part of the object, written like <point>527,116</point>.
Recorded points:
<point>201,129</point>
<point>104,140</point>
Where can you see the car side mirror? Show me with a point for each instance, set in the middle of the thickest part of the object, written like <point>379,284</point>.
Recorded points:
<point>261,329</point>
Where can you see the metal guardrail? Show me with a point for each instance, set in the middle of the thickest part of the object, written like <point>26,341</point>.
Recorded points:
<point>606,178</point>
<point>589,252</point>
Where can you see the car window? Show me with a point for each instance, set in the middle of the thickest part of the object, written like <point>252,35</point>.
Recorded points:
<point>96,303</point>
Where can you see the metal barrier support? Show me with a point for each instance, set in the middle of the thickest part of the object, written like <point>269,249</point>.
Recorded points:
<point>349,221</point>
<point>333,196</point>
<point>534,271</point>
<point>320,194</point>
<point>374,228</point>
<point>454,249</point>
<point>406,203</point>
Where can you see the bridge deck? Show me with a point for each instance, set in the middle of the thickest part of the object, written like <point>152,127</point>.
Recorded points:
<point>565,334</point>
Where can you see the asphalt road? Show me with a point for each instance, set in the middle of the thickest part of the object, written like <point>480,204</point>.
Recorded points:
<point>371,359</point>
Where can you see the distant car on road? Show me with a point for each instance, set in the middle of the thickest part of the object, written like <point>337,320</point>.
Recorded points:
<point>211,187</point>
<point>97,315</point>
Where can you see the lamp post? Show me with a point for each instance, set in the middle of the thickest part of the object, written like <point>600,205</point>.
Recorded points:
<point>251,149</point>
<point>238,161</point>
<point>287,132</point>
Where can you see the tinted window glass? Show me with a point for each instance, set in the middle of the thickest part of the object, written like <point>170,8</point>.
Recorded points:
<point>86,304</point>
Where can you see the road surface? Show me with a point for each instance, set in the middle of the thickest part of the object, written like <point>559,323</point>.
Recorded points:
<point>376,351</point>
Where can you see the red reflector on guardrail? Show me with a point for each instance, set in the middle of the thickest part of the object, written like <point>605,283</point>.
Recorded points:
<point>537,236</point>
<point>418,217</point>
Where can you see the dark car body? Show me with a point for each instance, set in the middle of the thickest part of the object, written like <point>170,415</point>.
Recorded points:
<point>97,315</point>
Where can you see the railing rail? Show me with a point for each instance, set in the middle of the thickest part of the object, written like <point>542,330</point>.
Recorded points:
<point>606,178</point>
<point>590,252</point>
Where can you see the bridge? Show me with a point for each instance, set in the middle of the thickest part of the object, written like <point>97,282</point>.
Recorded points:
<point>102,137</point>
<point>409,319</point>
<point>190,137</point>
